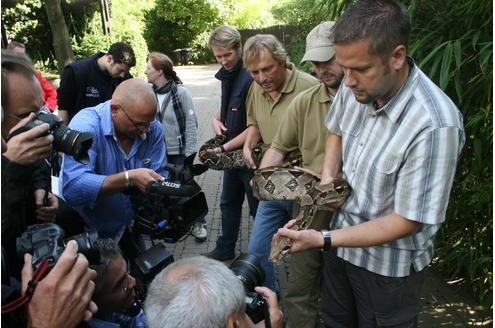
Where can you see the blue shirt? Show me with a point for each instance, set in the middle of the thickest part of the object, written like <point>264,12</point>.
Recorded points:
<point>117,320</point>
<point>80,183</point>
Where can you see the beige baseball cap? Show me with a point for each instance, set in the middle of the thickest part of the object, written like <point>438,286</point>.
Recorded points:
<point>319,43</point>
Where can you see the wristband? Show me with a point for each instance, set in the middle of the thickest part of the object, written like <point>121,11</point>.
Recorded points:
<point>127,179</point>
<point>327,240</point>
<point>222,148</point>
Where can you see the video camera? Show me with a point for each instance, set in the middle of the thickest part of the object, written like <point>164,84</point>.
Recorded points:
<point>248,269</point>
<point>168,208</point>
<point>66,140</point>
<point>45,241</point>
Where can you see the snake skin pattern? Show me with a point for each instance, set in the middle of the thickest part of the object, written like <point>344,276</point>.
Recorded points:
<point>279,183</point>
<point>235,159</point>
<point>317,195</point>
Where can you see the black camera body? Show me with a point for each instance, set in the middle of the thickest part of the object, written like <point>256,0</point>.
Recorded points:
<point>168,208</point>
<point>66,140</point>
<point>45,241</point>
<point>248,269</point>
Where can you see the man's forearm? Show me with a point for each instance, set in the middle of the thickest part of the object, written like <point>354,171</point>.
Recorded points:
<point>112,184</point>
<point>374,232</point>
<point>333,158</point>
<point>271,158</point>
<point>253,136</point>
<point>236,142</point>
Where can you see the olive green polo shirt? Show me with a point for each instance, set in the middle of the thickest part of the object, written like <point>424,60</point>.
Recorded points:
<point>303,127</point>
<point>265,113</point>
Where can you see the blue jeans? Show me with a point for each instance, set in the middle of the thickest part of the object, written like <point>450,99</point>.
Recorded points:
<point>271,215</point>
<point>235,186</point>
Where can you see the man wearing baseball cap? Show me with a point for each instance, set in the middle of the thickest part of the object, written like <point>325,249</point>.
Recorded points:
<point>297,131</point>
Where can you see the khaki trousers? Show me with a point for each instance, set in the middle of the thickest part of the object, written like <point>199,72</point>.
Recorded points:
<point>303,290</point>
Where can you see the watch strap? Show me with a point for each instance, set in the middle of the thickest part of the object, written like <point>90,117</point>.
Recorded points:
<point>327,240</point>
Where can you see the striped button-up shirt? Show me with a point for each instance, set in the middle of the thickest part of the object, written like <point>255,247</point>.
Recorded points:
<point>400,158</point>
<point>81,183</point>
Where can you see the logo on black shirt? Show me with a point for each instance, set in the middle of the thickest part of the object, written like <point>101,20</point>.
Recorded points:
<point>92,92</point>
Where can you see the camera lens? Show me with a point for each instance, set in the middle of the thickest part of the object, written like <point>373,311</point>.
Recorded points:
<point>73,143</point>
<point>248,268</point>
<point>86,244</point>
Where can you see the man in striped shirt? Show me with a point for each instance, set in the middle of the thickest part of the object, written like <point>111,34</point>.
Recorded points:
<point>397,137</point>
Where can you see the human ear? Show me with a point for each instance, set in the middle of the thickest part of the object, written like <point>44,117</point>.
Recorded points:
<point>398,56</point>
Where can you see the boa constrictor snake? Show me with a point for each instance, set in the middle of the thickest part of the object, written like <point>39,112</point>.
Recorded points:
<point>235,159</point>
<point>279,183</point>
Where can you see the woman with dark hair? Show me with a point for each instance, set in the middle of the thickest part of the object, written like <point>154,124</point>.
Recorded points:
<point>177,114</point>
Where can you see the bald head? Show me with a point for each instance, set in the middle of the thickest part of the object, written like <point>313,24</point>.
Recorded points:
<point>133,108</point>
<point>133,92</point>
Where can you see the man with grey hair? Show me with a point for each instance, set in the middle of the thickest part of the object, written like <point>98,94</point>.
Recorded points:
<point>303,128</point>
<point>277,83</point>
<point>202,292</point>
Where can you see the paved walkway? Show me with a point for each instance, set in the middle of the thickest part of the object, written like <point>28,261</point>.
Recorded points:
<point>443,305</point>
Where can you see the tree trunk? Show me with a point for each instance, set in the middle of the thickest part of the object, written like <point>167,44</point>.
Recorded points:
<point>60,33</point>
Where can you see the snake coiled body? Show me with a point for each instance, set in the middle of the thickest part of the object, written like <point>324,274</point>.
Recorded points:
<point>276,183</point>
<point>235,159</point>
<point>279,183</point>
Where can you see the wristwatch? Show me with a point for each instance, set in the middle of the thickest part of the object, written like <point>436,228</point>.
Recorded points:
<point>327,241</point>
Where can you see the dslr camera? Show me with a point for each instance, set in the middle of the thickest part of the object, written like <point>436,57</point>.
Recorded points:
<point>45,241</point>
<point>248,269</point>
<point>66,140</point>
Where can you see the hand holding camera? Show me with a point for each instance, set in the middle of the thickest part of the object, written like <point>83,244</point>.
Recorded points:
<point>31,146</point>
<point>63,297</point>
<point>140,178</point>
<point>274,312</point>
<point>64,139</point>
<point>261,303</point>
<point>46,205</point>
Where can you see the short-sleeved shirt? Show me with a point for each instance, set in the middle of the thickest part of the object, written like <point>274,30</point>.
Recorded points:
<point>400,158</point>
<point>303,127</point>
<point>265,113</point>
<point>83,84</point>
<point>81,183</point>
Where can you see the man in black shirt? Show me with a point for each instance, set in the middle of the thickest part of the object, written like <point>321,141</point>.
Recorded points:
<point>91,81</point>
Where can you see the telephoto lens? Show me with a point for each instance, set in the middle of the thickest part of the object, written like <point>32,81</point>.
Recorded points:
<point>248,268</point>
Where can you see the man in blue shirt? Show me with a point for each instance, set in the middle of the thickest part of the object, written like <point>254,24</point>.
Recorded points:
<point>127,151</point>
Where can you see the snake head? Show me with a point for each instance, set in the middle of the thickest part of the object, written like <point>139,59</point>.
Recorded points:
<point>280,248</point>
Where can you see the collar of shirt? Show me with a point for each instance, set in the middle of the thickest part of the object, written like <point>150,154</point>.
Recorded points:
<point>394,108</point>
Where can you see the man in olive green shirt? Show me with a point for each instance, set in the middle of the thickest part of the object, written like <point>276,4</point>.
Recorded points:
<point>277,84</point>
<point>302,127</point>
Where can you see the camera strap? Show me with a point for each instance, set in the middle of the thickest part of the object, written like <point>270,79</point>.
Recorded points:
<point>38,274</point>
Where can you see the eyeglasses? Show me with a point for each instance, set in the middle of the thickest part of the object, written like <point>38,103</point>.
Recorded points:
<point>138,125</point>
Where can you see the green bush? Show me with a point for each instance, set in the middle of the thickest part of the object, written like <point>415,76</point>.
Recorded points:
<point>458,57</point>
